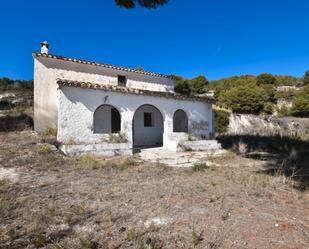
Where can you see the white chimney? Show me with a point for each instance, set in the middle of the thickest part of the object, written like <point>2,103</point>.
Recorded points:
<point>44,47</point>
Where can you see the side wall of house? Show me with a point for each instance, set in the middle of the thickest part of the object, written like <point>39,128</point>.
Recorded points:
<point>77,106</point>
<point>48,70</point>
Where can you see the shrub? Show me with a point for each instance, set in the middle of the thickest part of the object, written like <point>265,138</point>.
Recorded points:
<point>268,108</point>
<point>199,167</point>
<point>50,131</point>
<point>244,99</point>
<point>283,111</point>
<point>306,78</point>
<point>43,149</point>
<point>265,79</point>
<point>300,105</point>
<point>222,120</point>
<point>117,138</point>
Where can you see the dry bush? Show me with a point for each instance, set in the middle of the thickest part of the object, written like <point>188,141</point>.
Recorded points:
<point>43,149</point>
<point>199,167</point>
<point>90,161</point>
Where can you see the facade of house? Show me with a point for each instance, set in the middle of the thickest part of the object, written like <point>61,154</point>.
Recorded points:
<point>109,109</point>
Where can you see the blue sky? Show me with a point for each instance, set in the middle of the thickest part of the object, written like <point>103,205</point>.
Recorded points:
<point>217,38</point>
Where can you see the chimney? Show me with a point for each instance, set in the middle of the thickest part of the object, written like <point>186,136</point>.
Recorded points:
<point>44,47</point>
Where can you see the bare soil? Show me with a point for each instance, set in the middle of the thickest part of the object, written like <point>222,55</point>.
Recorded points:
<point>48,200</point>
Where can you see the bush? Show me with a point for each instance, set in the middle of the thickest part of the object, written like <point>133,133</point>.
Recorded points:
<point>268,108</point>
<point>300,105</point>
<point>283,111</point>
<point>199,167</point>
<point>270,93</point>
<point>244,99</point>
<point>265,79</point>
<point>222,120</point>
<point>306,78</point>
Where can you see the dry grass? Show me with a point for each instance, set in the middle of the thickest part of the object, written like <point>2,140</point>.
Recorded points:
<point>120,202</point>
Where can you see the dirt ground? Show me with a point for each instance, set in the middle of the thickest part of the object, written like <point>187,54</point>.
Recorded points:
<point>48,200</point>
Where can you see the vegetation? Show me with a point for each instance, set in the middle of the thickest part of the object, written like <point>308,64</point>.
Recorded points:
<point>244,99</point>
<point>306,78</point>
<point>130,4</point>
<point>265,79</point>
<point>9,84</point>
<point>197,85</point>
<point>300,107</point>
<point>221,120</point>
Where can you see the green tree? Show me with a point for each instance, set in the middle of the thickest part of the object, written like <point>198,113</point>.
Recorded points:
<point>198,84</point>
<point>222,120</point>
<point>181,85</point>
<point>130,4</point>
<point>244,99</point>
<point>300,105</point>
<point>306,78</point>
<point>265,79</point>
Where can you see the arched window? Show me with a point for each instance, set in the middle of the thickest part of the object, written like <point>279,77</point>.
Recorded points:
<point>106,119</point>
<point>180,121</point>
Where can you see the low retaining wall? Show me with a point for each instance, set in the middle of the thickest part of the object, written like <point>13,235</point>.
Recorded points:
<point>106,149</point>
<point>199,145</point>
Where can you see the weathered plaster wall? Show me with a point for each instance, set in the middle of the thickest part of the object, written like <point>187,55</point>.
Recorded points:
<point>79,104</point>
<point>47,70</point>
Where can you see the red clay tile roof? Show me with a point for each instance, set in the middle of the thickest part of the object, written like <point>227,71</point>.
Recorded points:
<point>113,88</point>
<point>36,54</point>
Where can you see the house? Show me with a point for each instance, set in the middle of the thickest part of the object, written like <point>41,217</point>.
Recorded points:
<point>106,109</point>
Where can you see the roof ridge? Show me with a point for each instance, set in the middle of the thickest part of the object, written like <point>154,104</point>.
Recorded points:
<point>82,61</point>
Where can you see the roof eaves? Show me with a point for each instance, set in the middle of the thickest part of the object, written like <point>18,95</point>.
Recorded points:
<point>37,54</point>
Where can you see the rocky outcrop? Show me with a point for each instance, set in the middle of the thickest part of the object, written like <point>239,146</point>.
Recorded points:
<point>241,124</point>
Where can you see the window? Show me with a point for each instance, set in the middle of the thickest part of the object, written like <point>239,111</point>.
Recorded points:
<point>115,117</point>
<point>147,119</point>
<point>106,119</point>
<point>122,80</point>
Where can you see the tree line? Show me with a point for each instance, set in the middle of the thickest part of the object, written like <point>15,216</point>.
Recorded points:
<point>249,94</point>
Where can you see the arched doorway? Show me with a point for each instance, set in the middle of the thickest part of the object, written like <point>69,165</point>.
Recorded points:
<point>180,121</point>
<point>148,127</point>
<point>106,119</point>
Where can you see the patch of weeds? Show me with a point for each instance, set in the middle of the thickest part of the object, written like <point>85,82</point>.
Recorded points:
<point>199,167</point>
<point>50,131</point>
<point>143,243</point>
<point>125,163</point>
<point>117,138</point>
<point>10,152</point>
<point>225,215</point>
<point>214,198</point>
<point>43,149</point>
<point>195,237</point>
<point>86,243</point>
<point>131,235</point>
<point>7,200</point>
<point>39,239</point>
<point>73,214</point>
<point>89,161</point>
<point>93,162</point>
<point>115,189</point>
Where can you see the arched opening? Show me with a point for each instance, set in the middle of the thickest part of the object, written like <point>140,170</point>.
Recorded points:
<point>180,121</point>
<point>148,127</point>
<point>106,119</point>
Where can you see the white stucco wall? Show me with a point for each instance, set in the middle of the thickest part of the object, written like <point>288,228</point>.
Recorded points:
<point>77,106</point>
<point>47,70</point>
